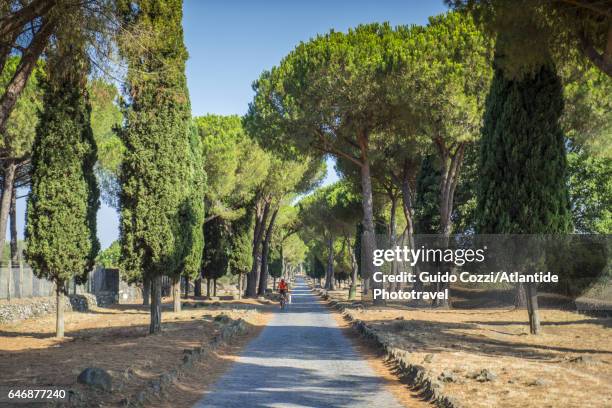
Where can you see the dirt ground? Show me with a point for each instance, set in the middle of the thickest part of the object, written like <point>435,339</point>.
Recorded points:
<point>116,339</point>
<point>568,365</point>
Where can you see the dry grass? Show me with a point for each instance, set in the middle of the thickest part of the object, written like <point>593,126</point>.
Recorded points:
<point>568,365</point>
<point>116,339</point>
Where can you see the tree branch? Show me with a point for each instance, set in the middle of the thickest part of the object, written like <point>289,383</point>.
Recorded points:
<point>603,61</point>
<point>326,148</point>
<point>26,65</point>
<point>14,21</point>
<point>588,6</point>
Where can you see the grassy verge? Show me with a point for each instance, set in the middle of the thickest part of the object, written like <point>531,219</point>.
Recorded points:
<point>116,340</point>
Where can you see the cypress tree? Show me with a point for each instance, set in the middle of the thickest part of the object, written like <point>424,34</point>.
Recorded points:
<point>427,202</point>
<point>216,258</point>
<point>64,198</point>
<point>154,193</point>
<point>193,211</point>
<point>240,257</point>
<point>523,181</point>
<point>522,184</point>
<point>275,268</point>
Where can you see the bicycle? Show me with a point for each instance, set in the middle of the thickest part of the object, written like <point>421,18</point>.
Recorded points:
<point>283,301</point>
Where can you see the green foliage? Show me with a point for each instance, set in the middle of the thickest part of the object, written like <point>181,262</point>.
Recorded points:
<point>294,250</point>
<point>427,203</point>
<point>317,270</point>
<point>20,132</point>
<point>217,251</point>
<point>275,266</point>
<point>328,93</point>
<point>64,198</point>
<point>157,206</point>
<point>105,118</point>
<point>109,258</point>
<point>464,208</point>
<point>590,186</point>
<point>580,260</point>
<point>240,257</point>
<point>333,209</point>
<point>587,114</point>
<point>342,260</point>
<point>528,31</point>
<point>192,213</point>
<point>234,165</point>
<point>446,72</point>
<point>522,171</point>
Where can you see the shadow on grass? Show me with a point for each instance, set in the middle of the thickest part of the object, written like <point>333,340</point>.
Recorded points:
<point>603,322</point>
<point>433,336</point>
<point>112,348</point>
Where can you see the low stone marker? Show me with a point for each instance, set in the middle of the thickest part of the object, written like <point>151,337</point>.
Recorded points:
<point>95,377</point>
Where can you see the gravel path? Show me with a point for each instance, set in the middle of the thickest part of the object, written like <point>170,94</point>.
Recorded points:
<point>300,359</point>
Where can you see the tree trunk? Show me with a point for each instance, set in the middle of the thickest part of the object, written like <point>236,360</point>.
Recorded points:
<point>274,284</point>
<point>5,203</point>
<point>146,290</point>
<point>239,285</point>
<point>28,61</point>
<point>451,165</point>
<point>215,287</point>
<point>13,218</point>
<point>354,273</point>
<point>365,287</point>
<point>197,290</point>
<point>283,267</point>
<point>186,286</point>
<point>208,288</point>
<point>520,296</point>
<point>602,60</point>
<point>368,238</point>
<point>329,275</point>
<point>261,216</point>
<point>409,215</point>
<point>265,252</point>
<point>156,304</point>
<point>392,236</point>
<point>176,293</point>
<point>59,309</point>
<point>533,309</point>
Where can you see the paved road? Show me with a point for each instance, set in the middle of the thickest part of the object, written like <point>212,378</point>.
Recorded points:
<point>301,359</point>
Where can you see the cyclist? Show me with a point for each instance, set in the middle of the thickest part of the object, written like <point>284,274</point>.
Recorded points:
<point>283,289</point>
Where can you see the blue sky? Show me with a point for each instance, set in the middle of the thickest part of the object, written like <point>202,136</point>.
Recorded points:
<point>231,42</point>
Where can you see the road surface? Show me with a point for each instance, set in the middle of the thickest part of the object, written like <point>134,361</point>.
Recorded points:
<point>300,359</point>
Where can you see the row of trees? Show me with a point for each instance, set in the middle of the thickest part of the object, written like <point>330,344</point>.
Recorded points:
<point>446,125</point>
<point>29,30</point>
<point>250,223</point>
<point>50,120</point>
<point>413,115</point>
<point>198,197</point>
<point>178,182</point>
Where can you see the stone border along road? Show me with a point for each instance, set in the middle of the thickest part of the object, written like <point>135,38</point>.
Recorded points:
<point>300,359</point>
